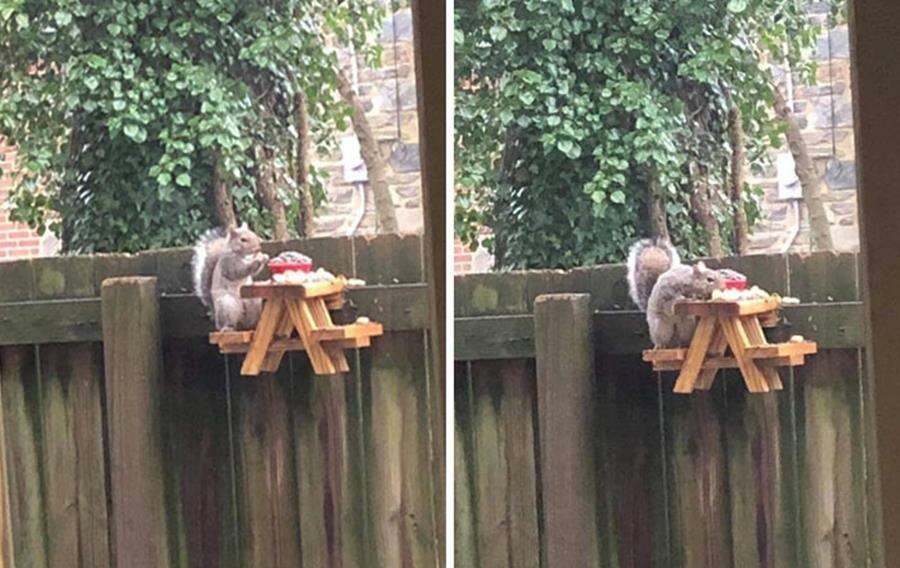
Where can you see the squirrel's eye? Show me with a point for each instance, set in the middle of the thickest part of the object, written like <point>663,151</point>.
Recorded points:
<point>710,279</point>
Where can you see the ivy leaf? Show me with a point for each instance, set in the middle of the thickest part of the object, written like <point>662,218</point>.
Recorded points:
<point>569,148</point>
<point>135,132</point>
<point>62,18</point>
<point>497,33</point>
<point>618,196</point>
<point>737,6</point>
<point>184,180</point>
<point>96,61</point>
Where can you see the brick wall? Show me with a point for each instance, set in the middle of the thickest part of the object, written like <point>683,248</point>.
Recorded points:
<point>16,240</point>
<point>462,258</point>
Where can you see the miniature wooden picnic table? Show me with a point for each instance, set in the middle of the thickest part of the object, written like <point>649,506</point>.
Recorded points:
<point>304,309</point>
<point>736,326</point>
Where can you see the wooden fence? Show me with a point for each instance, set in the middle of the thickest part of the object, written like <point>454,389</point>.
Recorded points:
<point>592,460</point>
<point>128,462</point>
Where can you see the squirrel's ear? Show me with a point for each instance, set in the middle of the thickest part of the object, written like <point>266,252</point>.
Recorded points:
<point>233,232</point>
<point>699,267</point>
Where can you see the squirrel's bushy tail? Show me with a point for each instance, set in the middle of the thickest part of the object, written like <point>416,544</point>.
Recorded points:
<point>647,260</point>
<point>209,246</point>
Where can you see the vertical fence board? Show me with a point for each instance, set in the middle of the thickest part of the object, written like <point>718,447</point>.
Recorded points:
<point>58,459</point>
<point>400,488</point>
<point>759,441</point>
<point>633,523</point>
<point>263,453</point>
<point>133,369</point>
<point>21,417</point>
<point>832,464</point>
<point>566,420</point>
<point>697,481</point>
<point>873,512</point>
<point>465,519</point>
<point>830,425</point>
<point>505,473</point>
<point>330,468</point>
<point>517,413</point>
<point>197,450</point>
<point>313,483</point>
<point>6,529</point>
<point>491,476</point>
<point>73,460</point>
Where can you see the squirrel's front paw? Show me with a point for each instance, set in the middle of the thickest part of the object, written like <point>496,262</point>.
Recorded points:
<point>262,257</point>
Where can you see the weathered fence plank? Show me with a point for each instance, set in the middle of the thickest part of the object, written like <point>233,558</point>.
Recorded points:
<point>517,412</point>
<point>21,422</point>
<point>492,490</point>
<point>73,460</point>
<point>330,466</point>
<point>832,465</point>
<point>197,453</point>
<point>505,484</point>
<point>265,476</point>
<point>402,508</point>
<point>759,439</point>
<point>634,526</point>
<point>697,480</point>
<point>465,518</point>
<point>133,369</point>
<point>566,419</point>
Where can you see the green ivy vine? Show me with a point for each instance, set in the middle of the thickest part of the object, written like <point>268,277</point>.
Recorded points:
<point>122,110</point>
<point>567,112</point>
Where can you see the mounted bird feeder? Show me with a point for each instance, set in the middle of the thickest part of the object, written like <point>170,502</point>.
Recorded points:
<point>729,334</point>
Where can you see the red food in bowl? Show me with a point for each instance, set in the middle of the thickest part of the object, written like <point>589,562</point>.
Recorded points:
<point>736,284</point>
<point>280,267</point>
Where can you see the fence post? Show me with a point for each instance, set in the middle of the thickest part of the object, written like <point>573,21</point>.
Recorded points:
<point>565,377</point>
<point>132,355</point>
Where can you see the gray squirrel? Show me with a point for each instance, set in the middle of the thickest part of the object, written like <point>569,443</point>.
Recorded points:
<point>657,279</point>
<point>225,260</point>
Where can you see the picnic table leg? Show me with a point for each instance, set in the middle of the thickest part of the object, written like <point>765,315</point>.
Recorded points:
<point>262,337</point>
<point>758,337</point>
<point>693,361</point>
<point>739,342</point>
<point>716,349</point>
<point>305,324</point>
<point>320,315</point>
<point>283,331</point>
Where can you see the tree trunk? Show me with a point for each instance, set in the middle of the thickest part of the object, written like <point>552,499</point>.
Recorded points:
<point>301,168</point>
<point>265,186</point>
<point>222,197</point>
<point>736,135</point>
<point>702,212</point>
<point>810,181</point>
<point>376,165</point>
<point>656,208</point>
